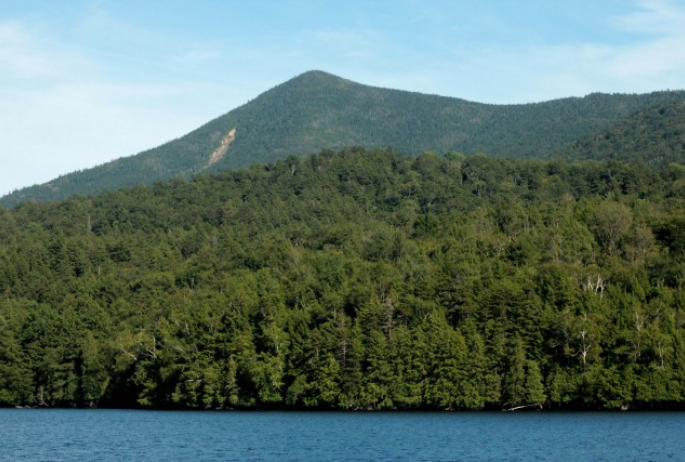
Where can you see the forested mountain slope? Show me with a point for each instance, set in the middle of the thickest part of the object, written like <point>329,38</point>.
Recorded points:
<point>655,135</point>
<point>353,280</point>
<point>317,110</point>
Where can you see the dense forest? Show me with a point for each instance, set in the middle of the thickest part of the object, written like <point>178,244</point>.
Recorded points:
<point>359,279</point>
<point>317,111</point>
<point>655,135</point>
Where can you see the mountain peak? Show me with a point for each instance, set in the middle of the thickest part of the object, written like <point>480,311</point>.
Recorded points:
<point>317,110</point>
<point>317,74</point>
<point>316,79</point>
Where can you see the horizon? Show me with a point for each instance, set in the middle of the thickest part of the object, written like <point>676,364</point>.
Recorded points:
<point>92,81</point>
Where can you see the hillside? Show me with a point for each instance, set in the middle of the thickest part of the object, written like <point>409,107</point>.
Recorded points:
<point>655,135</point>
<point>317,110</point>
<point>353,280</point>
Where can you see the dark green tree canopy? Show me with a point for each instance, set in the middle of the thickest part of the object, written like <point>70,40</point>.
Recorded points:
<point>358,279</point>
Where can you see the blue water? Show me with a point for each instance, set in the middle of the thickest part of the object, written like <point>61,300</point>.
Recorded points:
<point>114,435</point>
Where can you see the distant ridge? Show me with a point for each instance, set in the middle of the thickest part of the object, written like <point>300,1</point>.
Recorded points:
<point>317,110</point>
<point>655,135</point>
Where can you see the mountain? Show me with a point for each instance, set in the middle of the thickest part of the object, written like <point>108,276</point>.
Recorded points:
<point>655,135</point>
<point>316,111</point>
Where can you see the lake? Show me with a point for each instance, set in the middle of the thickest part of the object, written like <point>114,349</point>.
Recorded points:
<point>122,435</point>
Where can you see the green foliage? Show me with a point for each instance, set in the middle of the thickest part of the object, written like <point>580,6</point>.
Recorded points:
<point>353,280</point>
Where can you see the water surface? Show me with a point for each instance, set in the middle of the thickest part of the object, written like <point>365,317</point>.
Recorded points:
<point>123,435</point>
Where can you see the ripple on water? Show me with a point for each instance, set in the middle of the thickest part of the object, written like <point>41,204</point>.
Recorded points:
<point>121,435</point>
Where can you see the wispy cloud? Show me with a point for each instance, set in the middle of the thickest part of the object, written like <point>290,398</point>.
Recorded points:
<point>650,58</point>
<point>18,57</point>
<point>64,108</point>
<point>659,54</point>
<point>653,53</point>
<point>64,128</point>
<point>101,82</point>
<point>658,17</point>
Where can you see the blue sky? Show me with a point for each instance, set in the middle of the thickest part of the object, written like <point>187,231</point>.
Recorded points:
<point>86,81</point>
